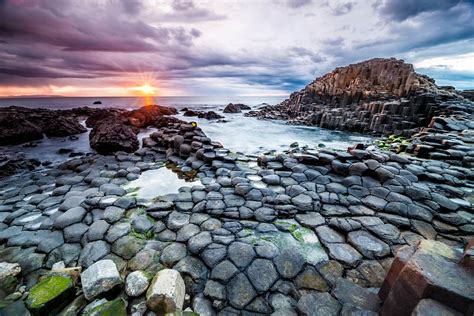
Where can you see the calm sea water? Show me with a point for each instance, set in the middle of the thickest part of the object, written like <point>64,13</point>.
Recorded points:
<point>239,133</point>
<point>134,102</point>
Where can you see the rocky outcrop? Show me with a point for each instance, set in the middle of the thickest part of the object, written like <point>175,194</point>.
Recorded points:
<point>236,108</point>
<point>113,135</point>
<point>117,131</point>
<point>378,96</point>
<point>209,115</point>
<point>147,115</point>
<point>19,125</point>
<point>429,278</point>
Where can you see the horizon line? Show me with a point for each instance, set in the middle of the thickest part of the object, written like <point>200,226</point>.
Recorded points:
<point>131,96</point>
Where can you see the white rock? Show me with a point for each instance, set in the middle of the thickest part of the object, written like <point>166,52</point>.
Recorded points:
<point>58,266</point>
<point>136,283</point>
<point>99,278</point>
<point>166,292</point>
<point>8,270</point>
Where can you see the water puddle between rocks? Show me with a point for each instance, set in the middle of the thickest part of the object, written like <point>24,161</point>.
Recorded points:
<point>158,182</point>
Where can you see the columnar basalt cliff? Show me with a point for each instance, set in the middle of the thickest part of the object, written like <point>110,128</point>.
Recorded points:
<point>379,96</point>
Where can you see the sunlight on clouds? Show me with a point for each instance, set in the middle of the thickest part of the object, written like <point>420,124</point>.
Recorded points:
<point>463,62</point>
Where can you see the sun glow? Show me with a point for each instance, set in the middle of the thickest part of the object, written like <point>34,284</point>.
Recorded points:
<point>145,89</point>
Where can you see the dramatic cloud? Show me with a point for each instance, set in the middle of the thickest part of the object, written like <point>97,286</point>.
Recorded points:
<point>202,47</point>
<point>402,10</point>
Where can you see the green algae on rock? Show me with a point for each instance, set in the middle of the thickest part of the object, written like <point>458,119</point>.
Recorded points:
<point>117,307</point>
<point>50,294</point>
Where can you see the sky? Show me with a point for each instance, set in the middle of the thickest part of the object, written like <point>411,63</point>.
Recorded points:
<point>222,47</point>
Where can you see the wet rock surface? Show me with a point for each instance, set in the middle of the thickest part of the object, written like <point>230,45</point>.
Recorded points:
<point>305,231</point>
<point>250,237</point>
<point>378,96</point>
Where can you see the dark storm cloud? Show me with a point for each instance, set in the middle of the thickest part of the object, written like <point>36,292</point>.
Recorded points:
<point>402,10</point>
<point>39,39</point>
<point>432,29</point>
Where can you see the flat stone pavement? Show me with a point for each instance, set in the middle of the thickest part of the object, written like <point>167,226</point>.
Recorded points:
<point>303,232</point>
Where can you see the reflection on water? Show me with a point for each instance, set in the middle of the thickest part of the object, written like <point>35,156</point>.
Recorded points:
<point>158,182</point>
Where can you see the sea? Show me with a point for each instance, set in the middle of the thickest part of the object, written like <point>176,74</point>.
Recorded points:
<point>238,133</point>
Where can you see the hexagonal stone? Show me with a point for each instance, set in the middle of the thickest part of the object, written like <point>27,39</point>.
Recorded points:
<point>166,292</point>
<point>113,214</point>
<point>241,254</point>
<point>70,202</point>
<point>127,246</point>
<point>262,274</point>
<point>344,254</point>
<point>348,292</point>
<point>199,241</point>
<point>173,253</point>
<point>265,214</point>
<point>374,202</point>
<point>116,231</point>
<point>215,290</point>
<point>311,220</point>
<point>74,233</point>
<point>303,202</point>
<point>112,189</point>
<point>97,230</point>
<point>142,224</point>
<point>73,215</point>
<point>370,246</point>
<point>309,278</point>
<point>224,271</point>
<point>136,283</point>
<point>213,254</point>
<point>240,292</point>
<point>92,252</point>
<point>289,263</point>
<point>176,220</point>
<point>329,235</point>
<point>186,232</point>
<point>317,304</point>
<point>99,278</point>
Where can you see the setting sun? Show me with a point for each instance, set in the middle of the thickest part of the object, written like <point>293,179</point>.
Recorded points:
<point>145,89</point>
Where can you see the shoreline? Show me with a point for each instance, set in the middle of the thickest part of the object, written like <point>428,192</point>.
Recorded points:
<point>251,220</point>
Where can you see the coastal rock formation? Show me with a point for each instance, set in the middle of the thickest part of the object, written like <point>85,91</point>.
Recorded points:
<point>429,279</point>
<point>236,108</point>
<point>208,115</point>
<point>19,125</point>
<point>378,96</point>
<point>147,115</point>
<point>117,131</point>
<point>282,233</point>
<point>113,135</point>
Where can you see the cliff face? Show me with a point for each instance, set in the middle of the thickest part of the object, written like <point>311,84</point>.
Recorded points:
<point>373,78</point>
<point>378,96</point>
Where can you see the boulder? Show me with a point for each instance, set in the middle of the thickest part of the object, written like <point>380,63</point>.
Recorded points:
<point>235,108</point>
<point>431,269</point>
<point>166,292</point>
<point>112,135</point>
<point>100,278</point>
<point>136,283</point>
<point>50,295</point>
<point>8,277</point>
<point>147,115</point>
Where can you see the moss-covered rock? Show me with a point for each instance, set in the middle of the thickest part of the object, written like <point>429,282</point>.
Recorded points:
<point>117,307</point>
<point>51,294</point>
